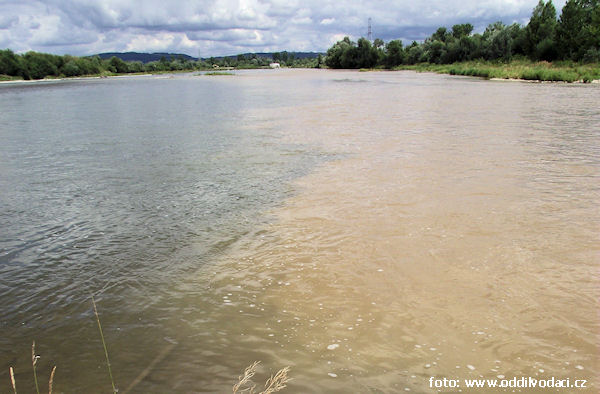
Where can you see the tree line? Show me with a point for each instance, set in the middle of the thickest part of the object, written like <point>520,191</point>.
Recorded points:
<point>575,35</point>
<point>36,65</point>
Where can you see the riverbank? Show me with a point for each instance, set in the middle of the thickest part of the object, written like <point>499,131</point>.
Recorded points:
<point>210,71</point>
<point>519,69</point>
<point>9,79</point>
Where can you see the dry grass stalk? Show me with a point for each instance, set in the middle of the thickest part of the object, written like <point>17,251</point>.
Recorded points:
<point>273,384</point>
<point>51,380</point>
<point>277,382</point>
<point>12,379</point>
<point>245,380</point>
<point>112,381</point>
<point>34,359</point>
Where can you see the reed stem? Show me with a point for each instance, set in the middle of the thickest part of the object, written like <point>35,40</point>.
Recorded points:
<point>34,359</point>
<point>51,381</point>
<point>112,381</point>
<point>12,379</point>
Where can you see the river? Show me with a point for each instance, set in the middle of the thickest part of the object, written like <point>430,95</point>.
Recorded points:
<point>369,230</point>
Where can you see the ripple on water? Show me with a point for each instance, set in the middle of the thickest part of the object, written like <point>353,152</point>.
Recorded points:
<point>449,237</point>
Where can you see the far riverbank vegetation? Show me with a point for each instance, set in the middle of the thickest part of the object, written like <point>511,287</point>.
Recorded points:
<point>36,65</point>
<point>548,48</point>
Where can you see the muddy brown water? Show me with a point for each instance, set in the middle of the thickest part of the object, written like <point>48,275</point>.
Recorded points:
<point>370,230</point>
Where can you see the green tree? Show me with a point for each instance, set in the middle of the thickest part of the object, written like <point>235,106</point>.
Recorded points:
<point>337,52</point>
<point>154,66</point>
<point>349,57</point>
<point>367,55</point>
<point>414,53</point>
<point>469,47</point>
<point>592,54</point>
<point>348,54</point>
<point>441,34</point>
<point>452,51</point>
<point>291,58</point>
<point>117,65</point>
<point>540,32</point>
<point>578,28</point>
<point>594,26</point>
<point>462,30</point>
<point>394,55</point>
<point>570,29</point>
<point>434,50</point>
<point>498,42</point>
<point>319,61</point>
<point>89,65</point>
<point>9,63</point>
<point>40,65</point>
<point>135,67</point>
<point>71,69</point>
<point>519,39</point>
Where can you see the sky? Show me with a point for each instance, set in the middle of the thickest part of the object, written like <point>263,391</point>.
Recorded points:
<point>204,28</point>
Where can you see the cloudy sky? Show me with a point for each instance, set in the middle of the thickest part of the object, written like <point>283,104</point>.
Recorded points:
<point>227,27</point>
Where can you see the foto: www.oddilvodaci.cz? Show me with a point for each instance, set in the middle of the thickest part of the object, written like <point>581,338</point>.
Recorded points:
<point>522,382</point>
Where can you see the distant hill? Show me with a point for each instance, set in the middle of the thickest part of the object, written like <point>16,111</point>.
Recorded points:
<point>144,57</point>
<point>269,55</point>
<point>152,57</point>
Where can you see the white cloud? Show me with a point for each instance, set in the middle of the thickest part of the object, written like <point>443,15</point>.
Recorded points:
<point>153,43</point>
<point>222,27</point>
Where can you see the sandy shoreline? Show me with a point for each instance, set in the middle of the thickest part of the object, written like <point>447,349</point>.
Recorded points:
<point>33,81</point>
<point>25,81</point>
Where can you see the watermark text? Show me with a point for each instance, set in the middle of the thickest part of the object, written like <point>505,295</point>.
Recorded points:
<point>522,382</point>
